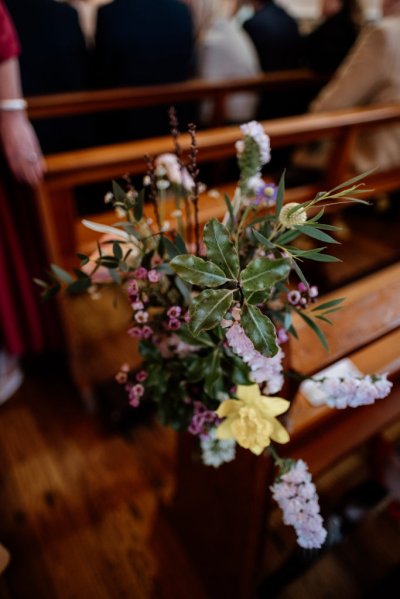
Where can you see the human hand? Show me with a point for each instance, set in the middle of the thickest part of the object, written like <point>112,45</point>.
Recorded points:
<point>21,147</point>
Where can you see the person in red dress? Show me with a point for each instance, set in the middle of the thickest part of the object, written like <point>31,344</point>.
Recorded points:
<point>21,161</point>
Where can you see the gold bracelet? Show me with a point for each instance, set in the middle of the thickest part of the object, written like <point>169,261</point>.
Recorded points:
<point>13,104</point>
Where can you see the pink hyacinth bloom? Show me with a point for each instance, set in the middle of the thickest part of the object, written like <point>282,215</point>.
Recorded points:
<point>297,497</point>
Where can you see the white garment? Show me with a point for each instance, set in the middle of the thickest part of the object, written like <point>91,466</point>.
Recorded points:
<point>226,52</point>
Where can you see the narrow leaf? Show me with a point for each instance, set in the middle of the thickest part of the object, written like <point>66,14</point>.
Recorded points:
<point>316,234</point>
<point>117,250</point>
<point>329,304</point>
<point>172,250</point>
<point>61,274</point>
<point>313,325</point>
<point>230,210</point>
<point>138,207</point>
<point>280,195</point>
<point>263,240</point>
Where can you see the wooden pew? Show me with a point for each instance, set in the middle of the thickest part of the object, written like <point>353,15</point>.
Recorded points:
<point>225,512</point>
<point>66,171</point>
<point>89,102</point>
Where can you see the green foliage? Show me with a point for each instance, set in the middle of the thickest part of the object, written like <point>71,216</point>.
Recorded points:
<point>197,271</point>
<point>262,273</point>
<point>220,248</point>
<point>260,330</point>
<point>208,308</point>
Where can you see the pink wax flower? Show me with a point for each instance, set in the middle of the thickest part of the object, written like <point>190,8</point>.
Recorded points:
<point>121,377</point>
<point>137,305</point>
<point>147,332</point>
<point>153,276</point>
<point>294,297</point>
<point>140,273</point>
<point>135,332</point>
<point>302,287</point>
<point>186,316</point>
<point>141,376</point>
<point>132,288</point>
<point>142,317</point>
<point>174,312</point>
<point>174,324</point>
<point>135,392</point>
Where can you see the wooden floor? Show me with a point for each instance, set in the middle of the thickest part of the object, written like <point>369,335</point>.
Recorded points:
<point>83,510</point>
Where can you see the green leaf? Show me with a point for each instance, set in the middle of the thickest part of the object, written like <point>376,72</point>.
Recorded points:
<point>195,369</point>
<point>263,240</point>
<point>317,257</point>
<point>117,250</point>
<point>197,271</point>
<point>185,290</point>
<point>313,325</point>
<point>256,297</point>
<point>79,286</point>
<point>41,283</point>
<point>230,210</point>
<point>208,309</point>
<point>213,378</point>
<point>263,273</point>
<point>315,254</point>
<point>180,244</point>
<point>83,258</point>
<point>108,261</point>
<point>118,192</point>
<point>260,330</point>
<point>138,207</point>
<point>240,374</point>
<point>352,181</point>
<point>321,317</point>
<point>172,250</point>
<point>329,304</point>
<point>299,273</point>
<point>201,340</point>
<point>220,248</point>
<point>280,195</point>
<point>316,234</point>
<point>61,274</point>
<point>288,236</point>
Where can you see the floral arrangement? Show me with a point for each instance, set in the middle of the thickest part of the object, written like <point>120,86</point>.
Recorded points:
<point>212,310</point>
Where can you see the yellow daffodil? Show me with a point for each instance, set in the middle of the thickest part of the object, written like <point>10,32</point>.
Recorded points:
<point>250,419</point>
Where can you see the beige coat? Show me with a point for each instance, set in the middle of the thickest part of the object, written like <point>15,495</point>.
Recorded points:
<point>369,75</point>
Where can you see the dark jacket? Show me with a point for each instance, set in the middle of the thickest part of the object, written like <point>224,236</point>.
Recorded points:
<point>326,47</point>
<point>276,37</point>
<point>53,60</point>
<point>143,42</point>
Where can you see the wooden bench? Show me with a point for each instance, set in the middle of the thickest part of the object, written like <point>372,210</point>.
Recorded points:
<point>68,170</point>
<point>225,512</point>
<point>89,102</point>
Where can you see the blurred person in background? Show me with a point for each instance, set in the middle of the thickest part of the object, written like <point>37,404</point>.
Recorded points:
<point>327,45</point>
<point>145,42</point>
<point>224,51</point>
<point>277,40</point>
<point>275,35</point>
<point>369,75</point>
